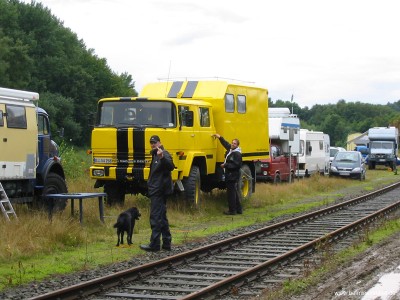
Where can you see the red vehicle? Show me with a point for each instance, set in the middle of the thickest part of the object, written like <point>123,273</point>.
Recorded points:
<point>278,168</point>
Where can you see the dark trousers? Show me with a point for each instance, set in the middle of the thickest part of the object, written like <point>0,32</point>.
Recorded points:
<point>159,222</point>
<point>233,197</point>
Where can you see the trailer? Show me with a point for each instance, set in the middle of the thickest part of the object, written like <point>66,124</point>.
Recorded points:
<point>314,153</point>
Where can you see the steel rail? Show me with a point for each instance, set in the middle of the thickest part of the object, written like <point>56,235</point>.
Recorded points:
<point>235,281</point>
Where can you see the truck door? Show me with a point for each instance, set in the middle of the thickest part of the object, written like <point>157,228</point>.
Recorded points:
<point>186,124</point>
<point>45,146</point>
<point>18,133</point>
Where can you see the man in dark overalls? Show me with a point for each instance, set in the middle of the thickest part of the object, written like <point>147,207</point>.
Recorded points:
<point>232,166</point>
<point>159,185</point>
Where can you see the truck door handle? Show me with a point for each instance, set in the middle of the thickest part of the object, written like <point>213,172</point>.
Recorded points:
<point>4,139</point>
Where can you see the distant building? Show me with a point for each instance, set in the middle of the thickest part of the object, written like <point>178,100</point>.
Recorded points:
<point>357,139</point>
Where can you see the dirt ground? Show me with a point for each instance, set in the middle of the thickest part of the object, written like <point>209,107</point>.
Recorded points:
<point>353,280</point>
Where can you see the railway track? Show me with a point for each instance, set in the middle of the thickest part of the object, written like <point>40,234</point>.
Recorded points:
<point>223,267</point>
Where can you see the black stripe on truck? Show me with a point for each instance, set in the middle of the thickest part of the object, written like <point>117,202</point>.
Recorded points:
<point>139,155</point>
<point>122,153</point>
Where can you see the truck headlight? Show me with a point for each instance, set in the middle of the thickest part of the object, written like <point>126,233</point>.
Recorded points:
<point>333,169</point>
<point>98,173</point>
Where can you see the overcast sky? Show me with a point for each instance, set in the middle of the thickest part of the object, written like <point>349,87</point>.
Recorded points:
<point>319,51</point>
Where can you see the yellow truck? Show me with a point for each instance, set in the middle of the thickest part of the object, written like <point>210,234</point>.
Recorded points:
<point>185,115</point>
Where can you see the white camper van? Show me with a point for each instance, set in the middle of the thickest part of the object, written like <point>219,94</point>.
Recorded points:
<point>314,153</point>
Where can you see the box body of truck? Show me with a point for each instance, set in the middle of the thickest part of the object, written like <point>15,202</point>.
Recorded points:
<point>314,153</point>
<point>30,166</point>
<point>383,147</point>
<point>185,115</point>
<point>284,133</point>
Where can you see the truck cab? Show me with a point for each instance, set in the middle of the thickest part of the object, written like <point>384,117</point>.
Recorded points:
<point>279,167</point>
<point>383,147</point>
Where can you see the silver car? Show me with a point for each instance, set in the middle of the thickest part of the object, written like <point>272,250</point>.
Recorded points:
<point>348,164</point>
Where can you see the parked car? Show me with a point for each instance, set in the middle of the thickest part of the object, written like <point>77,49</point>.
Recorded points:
<point>348,164</point>
<point>333,151</point>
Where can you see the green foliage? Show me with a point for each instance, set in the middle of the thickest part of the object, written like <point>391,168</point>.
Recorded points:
<point>75,162</point>
<point>38,53</point>
<point>341,119</point>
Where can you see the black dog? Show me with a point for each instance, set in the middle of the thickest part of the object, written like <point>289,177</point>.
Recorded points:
<point>126,222</point>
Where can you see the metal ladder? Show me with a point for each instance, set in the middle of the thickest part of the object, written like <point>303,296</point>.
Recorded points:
<point>5,204</point>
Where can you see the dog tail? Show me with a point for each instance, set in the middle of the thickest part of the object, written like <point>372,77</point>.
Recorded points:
<point>116,225</point>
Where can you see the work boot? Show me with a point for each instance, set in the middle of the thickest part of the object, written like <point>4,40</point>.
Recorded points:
<point>229,212</point>
<point>148,248</point>
<point>166,247</point>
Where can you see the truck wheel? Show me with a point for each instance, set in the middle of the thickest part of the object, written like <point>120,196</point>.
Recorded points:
<point>54,184</point>
<point>277,179</point>
<point>245,182</point>
<point>115,193</point>
<point>291,178</point>
<point>192,186</point>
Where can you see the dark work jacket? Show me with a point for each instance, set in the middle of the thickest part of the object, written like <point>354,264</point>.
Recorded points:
<point>233,161</point>
<point>160,180</point>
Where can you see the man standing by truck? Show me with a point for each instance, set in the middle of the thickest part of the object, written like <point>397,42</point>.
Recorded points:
<point>232,165</point>
<point>160,186</point>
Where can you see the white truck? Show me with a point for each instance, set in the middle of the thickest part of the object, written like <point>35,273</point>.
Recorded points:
<point>314,153</point>
<point>284,134</point>
<point>383,146</point>
<point>285,127</point>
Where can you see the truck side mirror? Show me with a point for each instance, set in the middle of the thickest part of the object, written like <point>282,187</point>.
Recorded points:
<point>189,118</point>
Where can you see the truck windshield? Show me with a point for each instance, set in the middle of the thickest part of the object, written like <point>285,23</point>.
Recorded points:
<point>136,113</point>
<point>382,145</point>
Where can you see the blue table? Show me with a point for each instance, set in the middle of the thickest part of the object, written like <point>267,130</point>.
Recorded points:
<point>79,196</point>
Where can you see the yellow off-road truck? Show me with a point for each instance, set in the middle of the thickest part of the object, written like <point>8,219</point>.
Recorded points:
<point>185,115</point>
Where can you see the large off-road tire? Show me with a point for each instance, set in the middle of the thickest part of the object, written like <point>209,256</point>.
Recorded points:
<point>277,179</point>
<point>192,186</point>
<point>53,184</point>
<point>115,193</point>
<point>245,182</point>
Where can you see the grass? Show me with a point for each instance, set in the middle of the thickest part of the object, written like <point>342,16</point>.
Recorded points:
<point>34,247</point>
